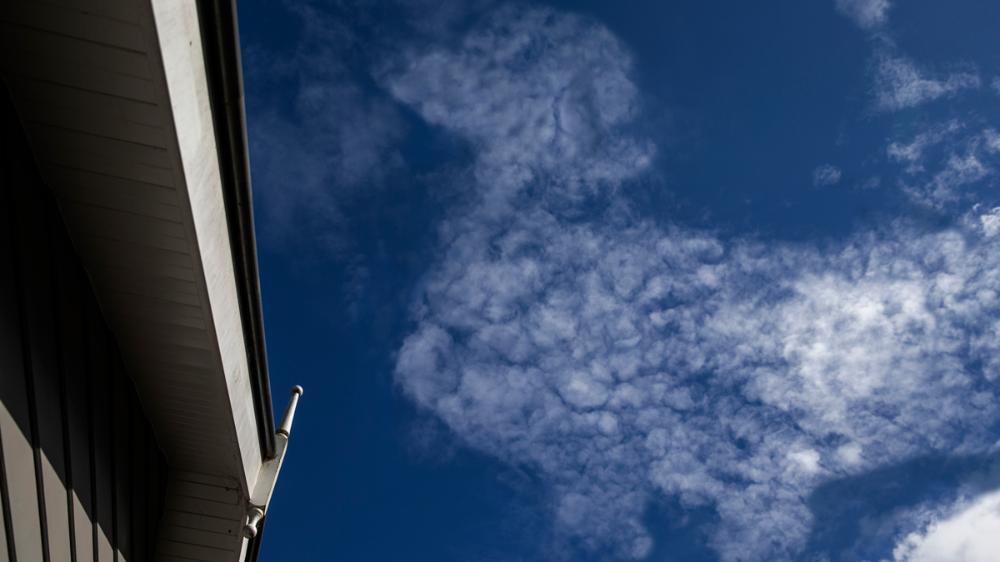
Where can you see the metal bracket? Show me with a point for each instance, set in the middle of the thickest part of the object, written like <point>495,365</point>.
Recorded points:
<point>268,475</point>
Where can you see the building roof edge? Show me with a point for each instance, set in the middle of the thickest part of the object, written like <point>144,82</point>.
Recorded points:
<point>220,44</point>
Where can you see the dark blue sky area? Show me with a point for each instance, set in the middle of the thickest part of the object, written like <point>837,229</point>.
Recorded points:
<point>772,125</point>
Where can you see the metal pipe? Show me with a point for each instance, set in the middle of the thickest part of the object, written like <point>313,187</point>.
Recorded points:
<point>286,422</point>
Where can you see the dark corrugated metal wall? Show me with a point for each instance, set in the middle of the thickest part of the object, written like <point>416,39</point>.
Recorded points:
<point>81,476</point>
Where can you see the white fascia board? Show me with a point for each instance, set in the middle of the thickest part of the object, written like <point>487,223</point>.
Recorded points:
<point>179,36</point>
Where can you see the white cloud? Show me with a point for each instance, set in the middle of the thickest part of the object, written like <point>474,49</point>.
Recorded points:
<point>900,84</point>
<point>867,14</point>
<point>326,143</point>
<point>826,175</point>
<point>912,152</point>
<point>336,134</point>
<point>850,454</point>
<point>324,135</point>
<point>625,360</point>
<point>996,84</point>
<point>943,188</point>
<point>537,95</point>
<point>969,533</point>
<point>807,459</point>
<point>991,141</point>
<point>945,162</point>
<point>990,222</point>
<point>338,139</point>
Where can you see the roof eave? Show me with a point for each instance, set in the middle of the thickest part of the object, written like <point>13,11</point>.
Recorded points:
<point>220,44</point>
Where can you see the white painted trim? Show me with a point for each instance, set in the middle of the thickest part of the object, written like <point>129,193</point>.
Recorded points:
<point>179,36</point>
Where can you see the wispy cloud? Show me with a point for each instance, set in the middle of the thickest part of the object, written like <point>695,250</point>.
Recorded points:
<point>826,175</point>
<point>901,84</point>
<point>964,532</point>
<point>990,222</point>
<point>912,151</point>
<point>867,14</point>
<point>320,135</point>
<point>946,162</point>
<point>944,187</point>
<point>625,360</point>
<point>539,96</point>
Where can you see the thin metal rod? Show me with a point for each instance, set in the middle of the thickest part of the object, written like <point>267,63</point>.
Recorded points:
<point>286,422</point>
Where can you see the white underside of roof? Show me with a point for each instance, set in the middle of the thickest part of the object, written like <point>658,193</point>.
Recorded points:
<point>183,63</point>
<point>114,97</point>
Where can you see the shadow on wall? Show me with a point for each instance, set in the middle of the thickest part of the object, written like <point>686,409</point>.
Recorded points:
<point>81,475</point>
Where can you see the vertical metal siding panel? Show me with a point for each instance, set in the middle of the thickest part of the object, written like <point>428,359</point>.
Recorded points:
<point>122,462</point>
<point>139,482</point>
<point>5,553</point>
<point>156,475</point>
<point>9,339</point>
<point>18,461</point>
<point>148,517</point>
<point>81,476</point>
<point>7,537</point>
<point>64,318</point>
<point>102,430</point>
<point>95,350</point>
<point>28,359</point>
<point>70,281</point>
<point>37,294</point>
<point>15,415</point>
<point>9,348</point>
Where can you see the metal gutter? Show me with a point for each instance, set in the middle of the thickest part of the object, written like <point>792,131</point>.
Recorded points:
<point>220,43</point>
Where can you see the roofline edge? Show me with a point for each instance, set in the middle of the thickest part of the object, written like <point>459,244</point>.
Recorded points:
<point>220,45</point>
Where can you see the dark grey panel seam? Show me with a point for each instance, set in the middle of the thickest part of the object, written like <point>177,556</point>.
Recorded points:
<point>134,491</point>
<point>8,524</point>
<point>88,366</point>
<point>57,322</point>
<point>112,449</point>
<point>125,415</point>
<point>152,482</point>
<point>8,527</point>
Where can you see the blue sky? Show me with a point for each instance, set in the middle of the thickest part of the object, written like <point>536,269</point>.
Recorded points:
<point>595,281</point>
